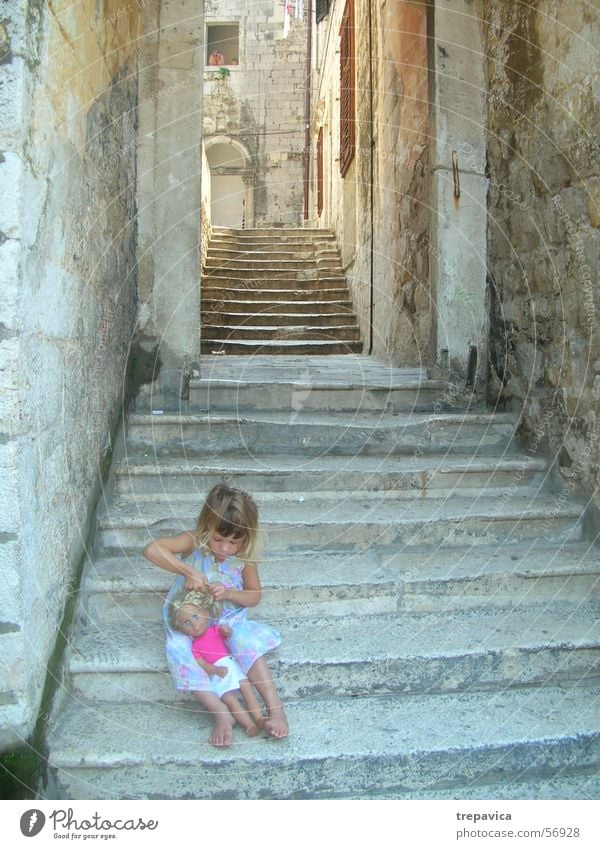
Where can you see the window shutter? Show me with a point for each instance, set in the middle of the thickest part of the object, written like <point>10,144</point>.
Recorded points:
<point>347,119</point>
<point>320,172</point>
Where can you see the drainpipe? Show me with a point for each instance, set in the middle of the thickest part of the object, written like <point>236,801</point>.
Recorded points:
<point>371,181</point>
<point>308,75</point>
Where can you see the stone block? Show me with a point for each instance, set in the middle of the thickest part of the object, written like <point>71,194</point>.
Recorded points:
<point>592,190</point>
<point>9,507</point>
<point>9,262</point>
<point>11,99</point>
<point>11,660</point>
<point>11,173</point>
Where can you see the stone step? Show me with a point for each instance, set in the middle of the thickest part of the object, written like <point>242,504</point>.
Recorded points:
<point>243,303</point>
<point>160,751</point>
<point>298,332</point>
<point>314,393</point>
<point>364,654</point>
<point>374,581</point>
<point>310,432</point>
<point>216,298</point>
<point>225,250</point>
<point>267,346</point>
<point>220,317</point>
<point>583,785</point>
<point>274,234</point>
<point>144,474</point>
<point>308,284</point>
<point>264,272</point>
<point>257,261</point>
<point>349,370</point>
<point>356,521</point>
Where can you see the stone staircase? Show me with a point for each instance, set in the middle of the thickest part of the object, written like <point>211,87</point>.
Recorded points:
<point>276,292</point>
<point>434,590</point>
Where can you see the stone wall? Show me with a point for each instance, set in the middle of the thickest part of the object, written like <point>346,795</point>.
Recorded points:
<point>67,169</point>
<point>379,210</point>
<point>261,103</point>
<point>402,304</point>
<point>544,220</point>
<point>169,174</point>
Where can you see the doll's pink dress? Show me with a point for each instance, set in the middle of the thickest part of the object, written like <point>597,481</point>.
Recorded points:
<point>249,639</point>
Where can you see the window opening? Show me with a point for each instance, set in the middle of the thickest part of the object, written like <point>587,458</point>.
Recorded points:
<point>322,9</point>
<point>222,44</point>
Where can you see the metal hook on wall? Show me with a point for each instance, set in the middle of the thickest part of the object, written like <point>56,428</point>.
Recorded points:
<point>455,174</point>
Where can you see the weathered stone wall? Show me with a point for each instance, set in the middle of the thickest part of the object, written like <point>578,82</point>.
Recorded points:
<point>67,169</point>
<point>347,208</point>
<point>402,305</point>
<point>205,220</point>
<point>169,174</point>
<point>381,205</point>
<point>261,103</point>
<point>457,228</point>
<point>544,220</point>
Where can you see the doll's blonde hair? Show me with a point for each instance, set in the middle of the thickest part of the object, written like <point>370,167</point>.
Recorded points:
<point>199,599</point>
<point>229,512</point>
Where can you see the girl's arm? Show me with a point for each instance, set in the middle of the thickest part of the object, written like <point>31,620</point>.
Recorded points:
<point>249,596</point>
<point>166,553</point>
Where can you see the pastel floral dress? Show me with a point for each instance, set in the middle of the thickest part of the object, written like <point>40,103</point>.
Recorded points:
<point>249,640</point>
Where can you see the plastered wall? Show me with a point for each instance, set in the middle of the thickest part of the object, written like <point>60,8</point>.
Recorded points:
<point>67,172</point>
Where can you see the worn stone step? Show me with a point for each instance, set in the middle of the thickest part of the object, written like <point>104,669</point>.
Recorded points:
<point>256,261</point>
<point>244,303</point>
<point>267,346</point>
<point>359,520</point>
<point>222,317</point>
<point>225,251</point>
<point>314,394</point>
<point>350,370</point>
<point>347,333</point>
<point>330,584</point>
<point>410,477</point>
<point>271,234</point>
<point>311,432</point>
<point>365,654</point>
<point>583,785</point>
<point>279,270</point>
<point>377,580</point>
<point>160,751</point>
<point>216,282</point>
<point>224,295</point>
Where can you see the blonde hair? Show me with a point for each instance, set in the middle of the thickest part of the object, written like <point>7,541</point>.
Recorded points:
<point>229,512</point>
<point>199,599</point>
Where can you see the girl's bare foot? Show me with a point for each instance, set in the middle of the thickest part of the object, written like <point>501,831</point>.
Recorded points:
<point>222,733</point>
<point>261,721</point>
<point>252,730</point>
<point>277,725</point>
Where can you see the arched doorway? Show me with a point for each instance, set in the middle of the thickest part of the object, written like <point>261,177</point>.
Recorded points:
<point>231,183</point>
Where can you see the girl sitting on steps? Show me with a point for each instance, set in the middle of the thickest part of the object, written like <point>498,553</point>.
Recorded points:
<point>227,529</point>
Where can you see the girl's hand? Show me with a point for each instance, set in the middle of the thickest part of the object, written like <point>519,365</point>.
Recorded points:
<point>226,631</point>
<point>220,592</point>
<point>197,581</point>
<point>221,671</point>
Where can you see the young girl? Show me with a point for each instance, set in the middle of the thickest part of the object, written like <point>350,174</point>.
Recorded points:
<point>192,616</point>
<point>227,528</point>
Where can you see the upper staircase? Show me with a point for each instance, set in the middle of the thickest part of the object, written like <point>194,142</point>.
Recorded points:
<point>434,589</point>
<point>278,291</point>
